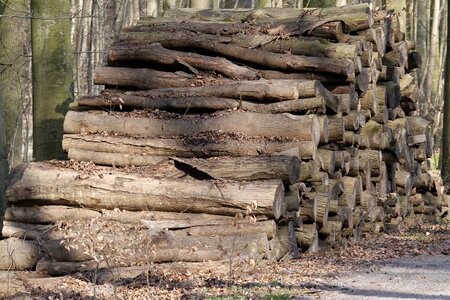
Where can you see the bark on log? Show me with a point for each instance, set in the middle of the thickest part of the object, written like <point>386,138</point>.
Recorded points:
<point>18,254</point>
<point>282,62</point>
<point>144,78</point>
<point>245,168</point>
<point>44,183</point>
<point>256,90</point>
<point>213,228</point>
<point>187,104</point>
<point>298,46</point>
<point>302,128</point>
<point>164,247</point>
<point>105,273</point>
<point>200,146</point>
<point>114,159</point>
<point>156,54</point>
<point>57,213</point>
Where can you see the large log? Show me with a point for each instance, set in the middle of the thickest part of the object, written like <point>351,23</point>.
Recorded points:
<point>298,46</point>
<point>145,78</point>
<point>245,168</point>
<point>156,54</point>
<point>302,128</point>
<point>186,104</point>
<point>18,254</point>
<point>201,146</point>
<point>114,159</point>
<point>105,272</point>
<point>45,183</point>
<point>47,214</point>
<point>256,90</point>
<point>282,62</point>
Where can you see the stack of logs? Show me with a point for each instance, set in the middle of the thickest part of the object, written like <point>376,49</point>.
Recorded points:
<point>232,134</point>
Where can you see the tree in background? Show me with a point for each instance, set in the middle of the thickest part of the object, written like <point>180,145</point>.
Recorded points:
<point>14,63</point>
<point>445,148</point>
<point>52,75</point>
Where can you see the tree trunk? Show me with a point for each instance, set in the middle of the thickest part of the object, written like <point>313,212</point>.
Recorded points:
<point>143,193</point>
<point>52,75</point>
<point>302,128</point>
<point>13,73</point>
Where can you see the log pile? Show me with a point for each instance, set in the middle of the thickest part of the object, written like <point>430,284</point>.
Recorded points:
<point>244,135</point>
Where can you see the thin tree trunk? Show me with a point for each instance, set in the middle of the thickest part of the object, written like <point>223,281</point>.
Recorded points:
<point>434,41</point>
<point>52,75</point>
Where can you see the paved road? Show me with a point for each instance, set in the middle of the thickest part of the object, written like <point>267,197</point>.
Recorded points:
<point>416,277</point>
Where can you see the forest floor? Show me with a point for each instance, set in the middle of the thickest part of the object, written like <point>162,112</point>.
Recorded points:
<point>377,266</point>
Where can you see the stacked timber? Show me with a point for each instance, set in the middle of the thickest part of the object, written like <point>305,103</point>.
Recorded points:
<point>232,135</point>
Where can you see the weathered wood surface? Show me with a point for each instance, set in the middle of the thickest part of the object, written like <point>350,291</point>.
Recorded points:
<point>245,168</point>
<point>255,90</point>
<point>302,128</point>
<point>145,78</point>
<point>201,146</point>
<point>115,159</point>
<point>44,183</point>
<point>188,104</point>
<point>47,214</point>
<point>276,61</point>
<point>156,53</point>
<point>18,254</point>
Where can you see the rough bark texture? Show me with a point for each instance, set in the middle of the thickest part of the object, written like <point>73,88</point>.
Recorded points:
<point>48,184</point>
<point>303,128</point>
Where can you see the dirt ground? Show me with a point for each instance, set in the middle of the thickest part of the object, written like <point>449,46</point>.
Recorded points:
<point>414,264</point>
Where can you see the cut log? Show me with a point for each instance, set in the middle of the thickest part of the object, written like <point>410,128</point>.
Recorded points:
<point>57,213</point>
<point>335,128</point>
<point>18,254</point>
<point>119,101</point>
<point>308,210</point>
<point>302,128</point>
<point>328,160</point>
<point>380,138</point>
<point>156,54</point>
<point>144,78</point>
<point>302,46</point>
<point>246,168</point>
<point>308,237</point>
<point>201,146</point>
<point>114,159</point>
<point>44,183</point>
<point>106,272</point>
<point>282,62</point>
<point>164,247</point>
<point>323,204</point>
<point>256,90</point>
<point>243,227</point>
